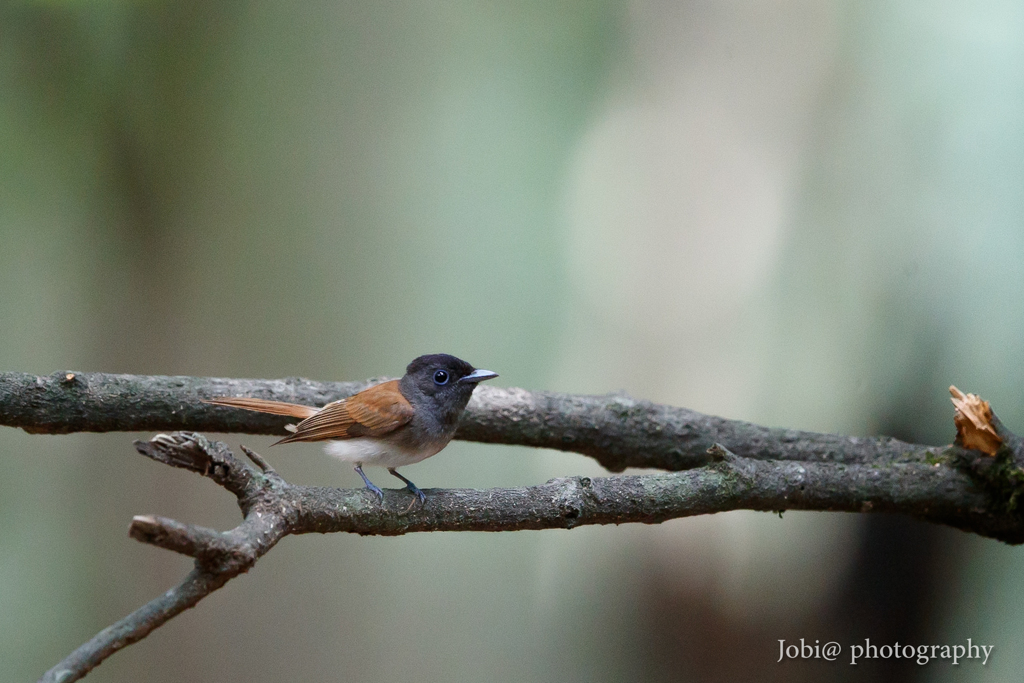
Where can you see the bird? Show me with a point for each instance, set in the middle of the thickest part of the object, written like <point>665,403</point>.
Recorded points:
<point>392,424</point>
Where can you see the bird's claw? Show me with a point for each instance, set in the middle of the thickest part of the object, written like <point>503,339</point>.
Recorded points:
<point>419,494</point>
<point>376,491</point>
<point>369,484</point>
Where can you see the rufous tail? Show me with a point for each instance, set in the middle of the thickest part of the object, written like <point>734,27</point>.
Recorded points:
<point>260,405</point>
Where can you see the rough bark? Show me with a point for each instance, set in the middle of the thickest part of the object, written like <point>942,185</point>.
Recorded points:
<point>616,430</point>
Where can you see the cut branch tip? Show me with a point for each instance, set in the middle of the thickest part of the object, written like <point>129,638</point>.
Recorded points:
<point>718,453</point>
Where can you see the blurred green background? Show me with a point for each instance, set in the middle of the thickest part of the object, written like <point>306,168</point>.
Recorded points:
<point>805,214</point>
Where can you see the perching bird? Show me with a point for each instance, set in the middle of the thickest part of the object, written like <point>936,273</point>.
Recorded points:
<point>389,425</point>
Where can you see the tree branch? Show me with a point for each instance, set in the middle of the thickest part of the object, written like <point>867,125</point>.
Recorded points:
<point>616,430</point>
<point>717,464</point>
<point>275,508</point>
<point>136,626</point>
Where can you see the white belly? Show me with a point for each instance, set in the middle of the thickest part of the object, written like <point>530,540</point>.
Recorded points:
<point>375,452</point>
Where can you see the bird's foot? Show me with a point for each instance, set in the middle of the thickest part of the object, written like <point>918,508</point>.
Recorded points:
<point>376,491</point>
<point>419,494</point>
<point>369,484</point>
<point>410,486</point>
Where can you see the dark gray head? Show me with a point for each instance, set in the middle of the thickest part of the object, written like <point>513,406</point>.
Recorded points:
<point>441,384</point>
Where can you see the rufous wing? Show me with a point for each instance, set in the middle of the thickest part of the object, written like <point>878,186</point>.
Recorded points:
<point>374,412</point>
<point>260,405</point>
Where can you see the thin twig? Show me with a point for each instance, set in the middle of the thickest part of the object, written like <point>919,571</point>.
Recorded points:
<point>197,585</point>
<point>257,459</point>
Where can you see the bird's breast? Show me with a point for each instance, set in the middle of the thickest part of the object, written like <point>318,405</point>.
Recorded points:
<point>380,452</point>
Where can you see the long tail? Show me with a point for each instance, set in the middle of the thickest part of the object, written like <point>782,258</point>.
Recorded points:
<point>260,405</point>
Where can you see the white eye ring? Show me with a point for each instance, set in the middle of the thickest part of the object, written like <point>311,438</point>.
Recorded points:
<point>441,377</point>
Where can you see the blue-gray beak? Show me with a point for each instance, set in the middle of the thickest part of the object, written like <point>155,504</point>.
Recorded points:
<point>478,376</point>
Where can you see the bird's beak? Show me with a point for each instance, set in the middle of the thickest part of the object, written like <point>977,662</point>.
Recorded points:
<point>478,376</point>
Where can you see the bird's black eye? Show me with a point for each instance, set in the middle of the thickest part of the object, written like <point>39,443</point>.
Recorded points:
<point>440,377</point>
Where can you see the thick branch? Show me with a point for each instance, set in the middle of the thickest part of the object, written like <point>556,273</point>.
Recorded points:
<point>938,495</point>
<point>617,431</point>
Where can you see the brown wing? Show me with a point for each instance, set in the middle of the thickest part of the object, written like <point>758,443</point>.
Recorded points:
<point>373,412</point>
<point>260,405</point>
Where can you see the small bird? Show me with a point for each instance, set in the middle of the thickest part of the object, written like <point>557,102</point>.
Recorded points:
<point>389,425</point>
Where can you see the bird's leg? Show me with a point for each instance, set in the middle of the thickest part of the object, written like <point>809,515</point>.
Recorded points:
<point>369,484</point>
<point>409,485</point>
